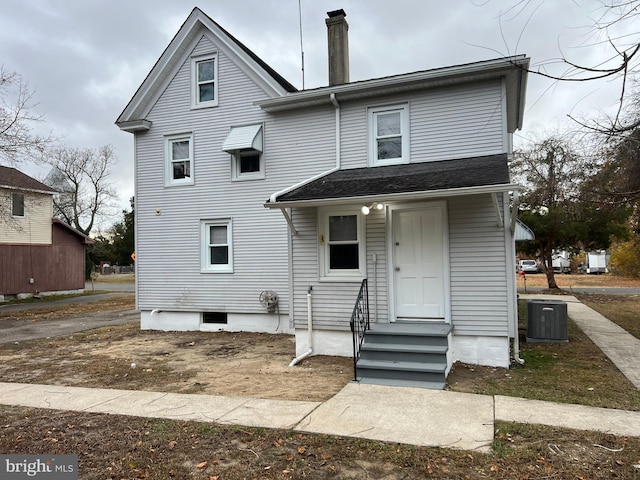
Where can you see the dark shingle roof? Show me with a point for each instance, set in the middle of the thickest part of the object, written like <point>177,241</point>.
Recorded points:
<point>12,178</point>
<point>414,177</point>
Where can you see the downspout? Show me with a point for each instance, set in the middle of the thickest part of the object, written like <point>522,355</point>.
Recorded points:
<point>155,311</point>
<point>332,97</point>
<point>274,197</point>
<point>516,335</point>
<point>299,358</point>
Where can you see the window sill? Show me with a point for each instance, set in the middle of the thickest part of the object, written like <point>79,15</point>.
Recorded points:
<point>248,178</point>
<point>178,184</point>
<point>226,270</point>
<point>342,279</point>
<point>200,106</point>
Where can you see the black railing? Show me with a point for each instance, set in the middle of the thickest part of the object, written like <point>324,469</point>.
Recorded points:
<point>359,322</point>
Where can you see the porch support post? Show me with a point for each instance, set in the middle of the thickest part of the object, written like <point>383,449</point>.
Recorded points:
<point>494,197</point>
<point>287,217</point>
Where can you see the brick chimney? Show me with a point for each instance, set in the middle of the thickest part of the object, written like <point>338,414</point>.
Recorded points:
<point>338,37</point>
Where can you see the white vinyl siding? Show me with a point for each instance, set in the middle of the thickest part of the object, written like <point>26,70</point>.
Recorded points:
<point>446,123</point>
<point>168,219</point>
<point>479,303</point>
<point>333,302</point>
<point>32,228</point>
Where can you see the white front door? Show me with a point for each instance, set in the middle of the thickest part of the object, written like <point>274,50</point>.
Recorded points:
<point>418,255</point>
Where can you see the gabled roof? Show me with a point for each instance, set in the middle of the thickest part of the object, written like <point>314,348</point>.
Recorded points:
<point>84,238</point>
<point>16,180</point>
<point>133,116</point>
<point>512,69</point>
<point>467,175</point>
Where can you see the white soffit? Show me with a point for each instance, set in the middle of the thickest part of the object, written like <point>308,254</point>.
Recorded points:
<point>248,137</point>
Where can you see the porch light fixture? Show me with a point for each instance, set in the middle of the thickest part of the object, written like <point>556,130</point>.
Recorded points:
<point>374,206</point>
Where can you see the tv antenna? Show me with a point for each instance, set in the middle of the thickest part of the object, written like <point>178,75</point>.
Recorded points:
<point>301,47</point>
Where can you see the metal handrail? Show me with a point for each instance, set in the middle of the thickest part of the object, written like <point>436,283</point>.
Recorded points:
<point>359,322</point>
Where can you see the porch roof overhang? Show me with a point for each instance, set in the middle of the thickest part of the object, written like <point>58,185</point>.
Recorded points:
<point>416,181</point>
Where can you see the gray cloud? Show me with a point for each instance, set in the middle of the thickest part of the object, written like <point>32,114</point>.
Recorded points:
<point>86,58</point>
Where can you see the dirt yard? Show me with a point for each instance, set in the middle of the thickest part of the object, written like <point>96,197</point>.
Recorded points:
<point>222,363</point>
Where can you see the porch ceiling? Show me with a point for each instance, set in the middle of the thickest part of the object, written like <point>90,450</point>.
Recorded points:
<point>468,175</point>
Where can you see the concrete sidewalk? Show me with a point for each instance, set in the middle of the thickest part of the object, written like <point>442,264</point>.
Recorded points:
<point>416,416</point>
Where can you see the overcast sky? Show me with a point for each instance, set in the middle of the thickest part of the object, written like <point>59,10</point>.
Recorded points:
<point>85,58</point>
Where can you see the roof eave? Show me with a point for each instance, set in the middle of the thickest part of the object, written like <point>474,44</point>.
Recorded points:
<point>31,190</point>
<point>168,63</point>
<point>445,76</point>
<point>395,197</point>
<point>133,126</point>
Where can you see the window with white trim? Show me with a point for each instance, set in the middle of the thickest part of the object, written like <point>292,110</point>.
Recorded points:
<point>217,247</point>
<point>204,71</point>
<point>389,135</point>
<point>247,165</point>
<point>179,159</point>
<point>342,250</point>
<point>17,204</point>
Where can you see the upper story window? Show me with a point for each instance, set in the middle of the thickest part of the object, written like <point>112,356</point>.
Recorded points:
<point>245,144</point>
<point>17,204</point>
<point>389,135</point>
<point>204,71</point>
<point>342,245</point>
<point>179,159</point>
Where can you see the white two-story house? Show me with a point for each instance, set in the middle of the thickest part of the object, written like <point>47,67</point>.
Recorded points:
<point>381,206</point>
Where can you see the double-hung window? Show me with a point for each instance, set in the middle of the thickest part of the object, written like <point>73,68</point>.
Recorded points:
<point>204,71</point>
<point>389,135</point>
<point>179,159</point>
<point>342,245</point>
<point>17,204</point>
<point>217,248</point>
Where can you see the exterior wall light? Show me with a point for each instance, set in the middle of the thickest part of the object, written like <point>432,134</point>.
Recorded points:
<point>374,206</point>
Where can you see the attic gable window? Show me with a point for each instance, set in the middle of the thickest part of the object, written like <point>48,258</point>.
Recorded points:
<point>17,204</point>
<point>204,71</point>
<point>389,135</point>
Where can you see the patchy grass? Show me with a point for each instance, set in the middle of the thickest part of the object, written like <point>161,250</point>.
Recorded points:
<point>621,309</point>
<point>116,278</point>
<point>573,372</point>
<point>115,447</point>
<point>48,312</point>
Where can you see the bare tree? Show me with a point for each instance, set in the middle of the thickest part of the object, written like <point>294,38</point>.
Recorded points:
<point>613,40</point>
<point>18,141</point>
<point>82,178</point>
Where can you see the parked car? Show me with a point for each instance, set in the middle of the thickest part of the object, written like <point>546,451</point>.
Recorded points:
<point>528,266</point>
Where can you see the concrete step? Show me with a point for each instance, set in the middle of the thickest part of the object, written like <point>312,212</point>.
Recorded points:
<point>403,352</point>
<point>406,371</point>
<point>394,382</point>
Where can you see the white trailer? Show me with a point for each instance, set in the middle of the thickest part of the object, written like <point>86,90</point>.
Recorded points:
<point>597,262</point>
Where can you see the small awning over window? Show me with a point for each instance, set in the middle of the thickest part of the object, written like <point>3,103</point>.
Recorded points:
<point>248,137</point>
<point>523,232</point>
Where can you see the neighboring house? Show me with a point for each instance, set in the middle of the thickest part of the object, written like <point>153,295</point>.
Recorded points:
<point>38,254</point>
<point>401,180</point>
